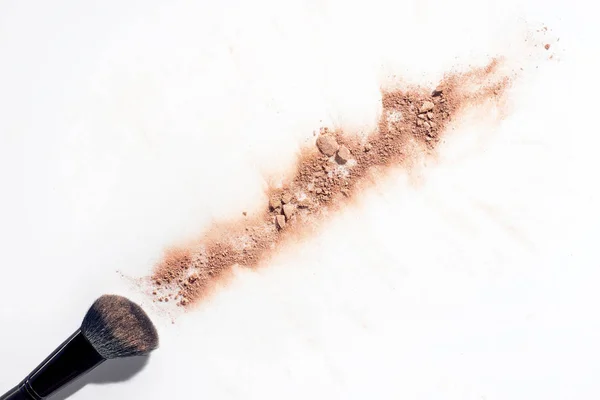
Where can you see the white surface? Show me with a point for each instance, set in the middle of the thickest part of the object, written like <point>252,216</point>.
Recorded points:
<point>128,126</point>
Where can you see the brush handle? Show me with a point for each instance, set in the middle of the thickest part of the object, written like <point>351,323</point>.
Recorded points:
<point>73,358</point>
<point>15,394</point>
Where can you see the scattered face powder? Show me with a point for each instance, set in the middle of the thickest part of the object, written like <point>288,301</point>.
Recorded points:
<point>327,176</point>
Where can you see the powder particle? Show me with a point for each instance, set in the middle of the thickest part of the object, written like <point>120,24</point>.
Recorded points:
<point>427,106</point>
<point>327,145</point>
<point>304,203</point>
<point>286,198</point>
<point>343,155</point>
<point>280,221</point>
<point>288,211</point>
<point>547,47</point>
<point>274,203</point>
<point>187,275</point>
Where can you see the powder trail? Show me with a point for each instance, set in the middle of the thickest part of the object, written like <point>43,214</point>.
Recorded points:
<point>327,177</point>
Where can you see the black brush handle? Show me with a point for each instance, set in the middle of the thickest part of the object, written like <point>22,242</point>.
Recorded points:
<point>70,360</point>
<point>15,394</point>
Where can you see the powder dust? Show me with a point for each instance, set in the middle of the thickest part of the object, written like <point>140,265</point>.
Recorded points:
<point>327,176</point>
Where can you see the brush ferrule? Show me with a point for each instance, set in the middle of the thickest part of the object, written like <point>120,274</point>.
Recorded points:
<point>70,360</point>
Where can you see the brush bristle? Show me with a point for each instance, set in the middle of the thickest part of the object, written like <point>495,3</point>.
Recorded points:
<point>117,327</point>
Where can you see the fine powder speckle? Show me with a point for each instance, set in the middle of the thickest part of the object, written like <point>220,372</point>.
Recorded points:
<point>327,176</point>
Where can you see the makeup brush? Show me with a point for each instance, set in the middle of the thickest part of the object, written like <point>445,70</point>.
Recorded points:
<point>114,327</point>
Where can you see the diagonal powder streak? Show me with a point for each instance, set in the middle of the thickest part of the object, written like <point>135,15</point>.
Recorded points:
<point>327,177</point>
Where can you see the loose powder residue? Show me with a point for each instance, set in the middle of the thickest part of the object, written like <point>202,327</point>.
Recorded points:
<point>328,176</point>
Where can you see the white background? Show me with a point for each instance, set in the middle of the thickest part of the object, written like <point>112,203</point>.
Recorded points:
<point>128,126</point>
